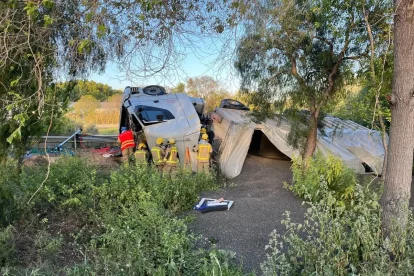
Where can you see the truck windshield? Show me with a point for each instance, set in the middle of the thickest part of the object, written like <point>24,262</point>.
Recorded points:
<point>151,114</point>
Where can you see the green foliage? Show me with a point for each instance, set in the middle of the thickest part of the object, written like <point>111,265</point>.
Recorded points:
<point>125,224</point>
<point>141,234</point>
<point>360,109</point>
<point>304,52</point>
<point>140,238</point>
<point>15,130</point>
<point>69,186</point>
<point>309,179</point>
<point>8,190</point>
<point>334,240</point>
<point>7,245</point>
<point>47,246</point>
<point>99,91</point>
<point>175,194</point>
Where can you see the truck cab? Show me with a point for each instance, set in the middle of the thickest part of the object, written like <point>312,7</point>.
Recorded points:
<point>150,112</point>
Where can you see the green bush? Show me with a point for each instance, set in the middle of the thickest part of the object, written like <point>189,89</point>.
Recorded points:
<point>330,171</point>
<point>7,246</point>
<point>47,247</point>
<point>176,193</point>
<point>125,222</point>
<point>338,240</point>
<point>70,184</point>
<point>140,238</point>
<point>141,235</point>
<point>9,180</point>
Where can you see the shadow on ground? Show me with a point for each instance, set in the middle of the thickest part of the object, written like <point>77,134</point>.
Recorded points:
<point>259,203</point>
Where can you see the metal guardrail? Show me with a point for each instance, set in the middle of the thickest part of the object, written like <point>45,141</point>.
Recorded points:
<point>103,138</point>
<point>73,141</point>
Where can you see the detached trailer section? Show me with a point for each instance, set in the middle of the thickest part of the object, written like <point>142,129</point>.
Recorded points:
<point>236,134</point>
<point>152,113</point>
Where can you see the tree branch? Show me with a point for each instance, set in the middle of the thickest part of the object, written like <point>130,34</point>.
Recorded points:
<point>335,68</point>
<point>331,46</point>
<point>295,71</point>
<point>356,57</point>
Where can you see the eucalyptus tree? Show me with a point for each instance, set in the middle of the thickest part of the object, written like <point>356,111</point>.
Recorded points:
<point>397,189</point>
<point>306,52</point>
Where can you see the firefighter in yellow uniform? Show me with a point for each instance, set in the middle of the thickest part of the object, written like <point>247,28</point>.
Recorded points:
<point>171,158</point>
<point>141,155</point>
<point>204,150</point>
<point>202,131</point>
<point>158,154</point>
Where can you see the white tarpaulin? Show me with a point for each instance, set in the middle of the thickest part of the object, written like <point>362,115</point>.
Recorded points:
<point>354,144</point>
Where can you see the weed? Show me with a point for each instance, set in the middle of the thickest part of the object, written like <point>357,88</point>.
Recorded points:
<point>47,246</point>
<point>340,240</point>
<point>7,246</point>
<point>330,171</point>
<point>126,222</point>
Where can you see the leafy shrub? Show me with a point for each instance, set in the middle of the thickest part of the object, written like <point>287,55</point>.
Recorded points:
<point>7,246</point>
<point>70,184</point>
<point>219,262</point>
<point>47,246</point>
<point>9,180</point>
<point>330,171</point>
<point>140,238</point>
<point>127,222</point>
<point>338,240</point>
<point>176,193</point>
<point>140,234</point>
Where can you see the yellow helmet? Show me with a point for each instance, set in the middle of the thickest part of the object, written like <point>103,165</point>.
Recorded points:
<point>141,146</point>
<point>171,141</point>
<point>159,141</point>
<point>203,130</point>
<point>204,136</point>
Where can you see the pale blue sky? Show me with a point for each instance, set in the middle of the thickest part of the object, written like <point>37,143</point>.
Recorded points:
<point>208,58</point>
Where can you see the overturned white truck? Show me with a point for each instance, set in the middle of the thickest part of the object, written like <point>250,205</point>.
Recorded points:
<point>151,113</point>
<point>236,135</point>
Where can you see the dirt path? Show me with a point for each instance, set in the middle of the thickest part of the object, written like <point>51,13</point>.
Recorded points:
<point>259,203</point>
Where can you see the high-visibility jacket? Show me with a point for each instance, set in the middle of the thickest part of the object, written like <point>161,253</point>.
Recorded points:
<point>127,140</point>
<point>171,155</point>
<point>141,156</point>
<point>157,155</point>
<point>204,150</point>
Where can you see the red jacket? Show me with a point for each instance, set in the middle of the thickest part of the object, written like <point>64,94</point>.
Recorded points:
<point>126,139</point>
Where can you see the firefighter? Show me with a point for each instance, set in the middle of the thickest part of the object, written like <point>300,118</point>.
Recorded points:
<point>158,154</point>
<point>126,138</point>
<point>141,155</point>
<point>202,131</point>
<point>204,150</point>
<point>171,158</point>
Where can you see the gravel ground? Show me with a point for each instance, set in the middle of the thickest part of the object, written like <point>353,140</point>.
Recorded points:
<point>259,203</point>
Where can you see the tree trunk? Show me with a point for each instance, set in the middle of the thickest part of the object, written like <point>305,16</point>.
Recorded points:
<point>398,179</point>
<point>312,135</point>
<point>384,143</point>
